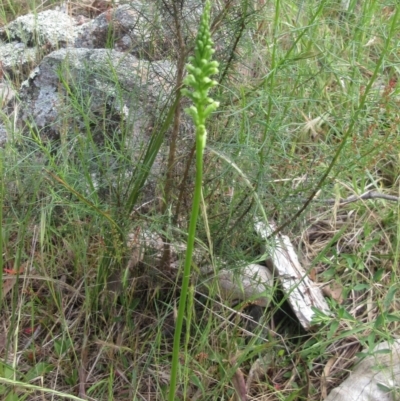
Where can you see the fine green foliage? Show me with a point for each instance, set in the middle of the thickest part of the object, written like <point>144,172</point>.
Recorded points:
<point>200,69</point>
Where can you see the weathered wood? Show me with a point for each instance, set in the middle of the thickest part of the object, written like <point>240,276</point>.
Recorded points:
<point>302,293</point>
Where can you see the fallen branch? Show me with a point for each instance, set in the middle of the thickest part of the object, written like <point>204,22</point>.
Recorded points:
<point>364,196</point>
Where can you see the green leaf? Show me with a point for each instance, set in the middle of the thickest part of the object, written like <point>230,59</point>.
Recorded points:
<point>197,382</point>
<point>378,275</point>
<point>379,321</point>
<point>382,351</point>
<point>62,346</point>
<point>389,296</point>
<point>40,369</point>
<point>360,287</point>
<point>12,397</point>
<point>332,330</point>
<point>371,339</point>
<point>392,318</point>
<point>3,389</point>
<point>384,388</point>
<point>6,371</point>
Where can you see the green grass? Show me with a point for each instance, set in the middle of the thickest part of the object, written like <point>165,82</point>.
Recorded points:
<point>309,103</point>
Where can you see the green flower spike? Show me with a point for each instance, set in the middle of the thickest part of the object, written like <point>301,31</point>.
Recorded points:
<point>200,69</point>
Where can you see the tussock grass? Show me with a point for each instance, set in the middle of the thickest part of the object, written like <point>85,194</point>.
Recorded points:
<point>309,105</point>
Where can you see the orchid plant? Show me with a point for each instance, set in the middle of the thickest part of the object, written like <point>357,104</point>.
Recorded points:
<point>198,82</point>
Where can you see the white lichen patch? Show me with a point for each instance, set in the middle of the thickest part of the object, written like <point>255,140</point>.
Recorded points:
<point>15,53</point>
<point>48,27</point>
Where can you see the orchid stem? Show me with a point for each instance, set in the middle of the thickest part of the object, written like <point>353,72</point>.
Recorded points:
<point>200,68</point>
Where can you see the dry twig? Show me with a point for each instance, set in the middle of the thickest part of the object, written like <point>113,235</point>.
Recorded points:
<point>364,196</point>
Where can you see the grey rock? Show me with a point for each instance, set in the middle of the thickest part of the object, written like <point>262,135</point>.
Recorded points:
<point>3,135</point>
<point>15,56</point>
<point>127,28</point>
<point>7,93</point>
<point>96,79</point>
<point>100,81</point>
<point>109,96</point>
<point>24,41</point>
<point>104,93</point>
<point>47,27</point>
<point>375,378</point>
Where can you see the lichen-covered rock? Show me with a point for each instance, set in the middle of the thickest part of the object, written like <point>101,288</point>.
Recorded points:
<point>16,56</point>
<point>375,378</point>
<point>51,26</point>
<point>24,41</point>
<point>80,85</point>
<point>126,28</point>
<point>3,135</point>
<point>7,93</point>
<point>92,77</point>
<point>110,97</point>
